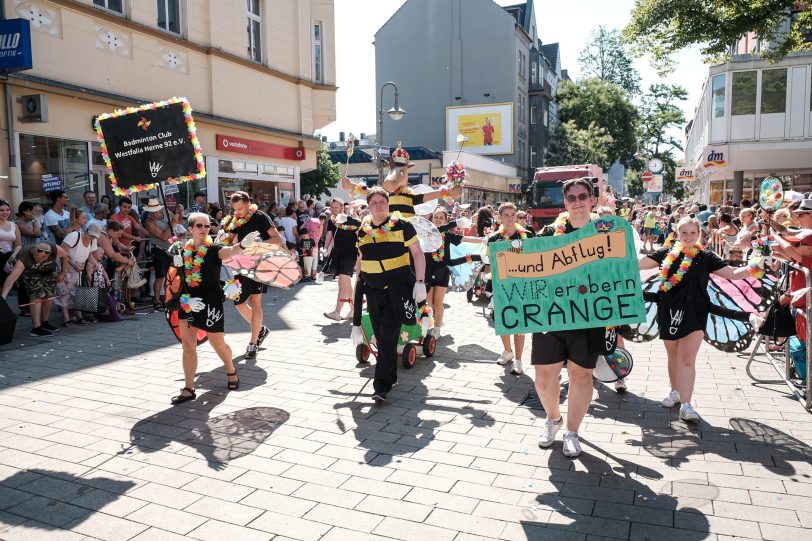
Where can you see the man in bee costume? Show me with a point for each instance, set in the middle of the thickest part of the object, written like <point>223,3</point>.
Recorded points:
<point>401,198</point>
<point>386,245</point>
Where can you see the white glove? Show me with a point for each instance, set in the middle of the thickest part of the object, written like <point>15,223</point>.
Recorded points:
<point>179,230</point>
<point>177,260</point>
<point>419,292</point>
<point>250,239</point>
<point>463,222</point>
<point>357,336</point>
<point>197,304</point>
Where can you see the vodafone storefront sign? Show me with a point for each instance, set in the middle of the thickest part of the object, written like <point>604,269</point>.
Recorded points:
<point>258,148</point>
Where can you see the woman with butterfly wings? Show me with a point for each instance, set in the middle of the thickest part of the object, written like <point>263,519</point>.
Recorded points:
<point>200,299</point>
<point>247,218</point>
<point>684,306</point>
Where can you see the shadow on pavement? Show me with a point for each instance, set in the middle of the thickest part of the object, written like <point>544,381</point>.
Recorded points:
<point>219,438</point>
<point>634,510</point>
<point>97,344</point>
<point>52,501</point>
<point>667,438</point>
<point>396,428</point>
<point>745,441</point>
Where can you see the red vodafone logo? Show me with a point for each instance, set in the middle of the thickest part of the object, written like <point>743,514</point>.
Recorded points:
<point>239,145</point>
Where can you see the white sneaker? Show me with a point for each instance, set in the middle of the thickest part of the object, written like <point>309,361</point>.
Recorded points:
<point>517,367</point>
<point>350,315</point>
<point>620,385</point>
<point>688,413</point>
<point>671,400</point>
<point>435,332</point>
<point>551,427</point>
<point>505,358</point>
<point>335,316</point>
<point>572,447</point>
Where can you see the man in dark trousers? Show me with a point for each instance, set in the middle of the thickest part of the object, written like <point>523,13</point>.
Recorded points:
<point>385,243</point>
<point>248,218</point>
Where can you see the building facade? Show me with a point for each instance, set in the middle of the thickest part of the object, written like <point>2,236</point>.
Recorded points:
<point>259,74</point>
<point>754,120</point>
<point>545,75</point>
<point>458,53</point>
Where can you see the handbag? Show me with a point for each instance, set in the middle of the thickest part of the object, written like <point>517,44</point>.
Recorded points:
<point>135,278</point>
<point>89,299</point>
<point>778,322</point>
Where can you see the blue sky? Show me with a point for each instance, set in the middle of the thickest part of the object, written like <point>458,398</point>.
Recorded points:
<point>568,23</point>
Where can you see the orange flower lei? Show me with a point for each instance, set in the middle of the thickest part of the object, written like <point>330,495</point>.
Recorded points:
<point>366,225</point>
<point>519,229</point>
<point>667,283</point>
<point>191,266</point>
<point>230,223</point>
<point>560,224</point>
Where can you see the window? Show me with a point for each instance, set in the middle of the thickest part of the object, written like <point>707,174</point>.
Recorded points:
<point>318,75</point>
<point>169,15</point>
<point>112,5</point>
<point>774,91</point>
<point>718,96</point>
<point>544,117</point>
<point>522,61</point>
<point>534,72</point>
<point>534,115</point>
<point>254,27</point>
<point>743,93</point>
<point>522,119</point>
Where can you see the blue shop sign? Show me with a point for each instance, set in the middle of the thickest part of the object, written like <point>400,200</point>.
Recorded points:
<point>15,45</point>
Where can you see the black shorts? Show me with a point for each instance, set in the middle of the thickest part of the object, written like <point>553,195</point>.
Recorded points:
<point>559,346</point>
<point>249,287</point>
<point>345,265</point>
<point>160,262</point>
<point>440,277</point>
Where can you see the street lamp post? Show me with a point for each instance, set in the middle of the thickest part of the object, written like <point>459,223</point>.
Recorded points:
<point>396,113</point>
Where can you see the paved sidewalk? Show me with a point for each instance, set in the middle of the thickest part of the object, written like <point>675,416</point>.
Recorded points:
<point>91,449</point>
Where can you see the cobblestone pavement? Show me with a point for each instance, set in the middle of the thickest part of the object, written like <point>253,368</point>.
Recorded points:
<point>91,449</point>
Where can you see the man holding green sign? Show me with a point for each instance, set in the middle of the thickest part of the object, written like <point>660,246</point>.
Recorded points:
<point>566,289</point>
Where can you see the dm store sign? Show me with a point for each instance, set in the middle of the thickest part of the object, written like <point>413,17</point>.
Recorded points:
<point>15,45</point>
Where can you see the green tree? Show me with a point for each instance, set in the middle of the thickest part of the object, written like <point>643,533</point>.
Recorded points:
<point>634,183</point>
<point>661,116</point>
<point>325,176</point>
<point>607,106</point>
<point>570,145</point>
<point>662,27</point>
<point>605,57</point>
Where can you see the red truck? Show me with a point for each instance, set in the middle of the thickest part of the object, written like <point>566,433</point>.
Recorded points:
<point>545,197</point>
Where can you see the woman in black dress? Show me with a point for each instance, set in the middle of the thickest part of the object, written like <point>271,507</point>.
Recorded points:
<point>201,299</point>
<point>342,236</point>
<point>437,263</point>
<point>683,305</point>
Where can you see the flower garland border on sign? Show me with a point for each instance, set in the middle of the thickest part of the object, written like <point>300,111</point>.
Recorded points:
<point>190,125</point>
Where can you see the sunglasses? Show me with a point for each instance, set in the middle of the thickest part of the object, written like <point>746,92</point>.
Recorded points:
<point>41,251</point>
<point>201,226</point>
<point>579,197</point>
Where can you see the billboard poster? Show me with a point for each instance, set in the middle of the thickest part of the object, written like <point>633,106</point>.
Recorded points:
<point>587,278</point>
<point>655,185</point>
<point>51,182</point>
<point>146,145</point>
<point>488,128</point>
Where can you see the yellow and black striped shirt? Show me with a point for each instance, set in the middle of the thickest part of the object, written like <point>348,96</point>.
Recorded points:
<point>386,257</point>
<point>404,202</point>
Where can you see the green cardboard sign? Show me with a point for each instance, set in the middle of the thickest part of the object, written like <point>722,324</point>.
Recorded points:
<point>587,278</point>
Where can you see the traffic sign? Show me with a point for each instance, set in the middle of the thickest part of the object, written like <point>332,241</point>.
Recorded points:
<point>647,176</point>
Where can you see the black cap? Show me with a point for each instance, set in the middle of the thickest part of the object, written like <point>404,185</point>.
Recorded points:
<point>198,194</point>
